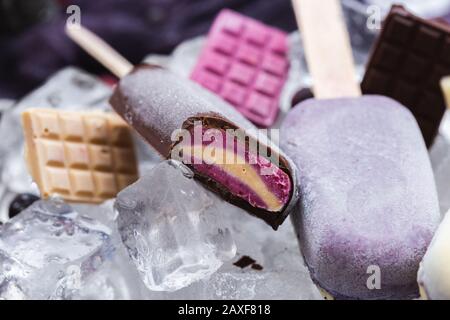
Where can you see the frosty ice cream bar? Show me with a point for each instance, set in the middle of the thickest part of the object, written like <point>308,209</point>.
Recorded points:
<point>434,271</point>
<point>245,62</point>
<point>368,194</point>
<point>157,103</point>
<point>368,200</point>
<point>164,109</point>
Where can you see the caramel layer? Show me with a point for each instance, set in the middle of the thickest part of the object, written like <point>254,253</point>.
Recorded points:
<point>241,170</point>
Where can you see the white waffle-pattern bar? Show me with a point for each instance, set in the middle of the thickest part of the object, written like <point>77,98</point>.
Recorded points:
<point>81,156</point>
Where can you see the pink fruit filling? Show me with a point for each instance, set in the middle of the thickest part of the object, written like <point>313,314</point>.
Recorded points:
<point>245,176</point>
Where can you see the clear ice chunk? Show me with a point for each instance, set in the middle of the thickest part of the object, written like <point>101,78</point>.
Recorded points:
<point>440,161</point>
<point>283,274</point>
<point>173,228</point>
<point>9,288</point>
<point>117,278</point>
<point>47,250</point>
<point>103,213</point>
<point>267,285</point>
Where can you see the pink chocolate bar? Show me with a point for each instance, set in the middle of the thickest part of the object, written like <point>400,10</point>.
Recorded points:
<point>245,62</point>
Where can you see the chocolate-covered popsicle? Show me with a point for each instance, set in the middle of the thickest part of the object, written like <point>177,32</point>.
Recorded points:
<point>162,107</point>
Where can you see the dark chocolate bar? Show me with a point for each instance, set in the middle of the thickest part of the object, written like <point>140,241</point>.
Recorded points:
<point>157,103</point>
<point>407,63</point>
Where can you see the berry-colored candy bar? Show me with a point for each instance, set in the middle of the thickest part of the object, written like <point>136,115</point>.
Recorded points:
<point>245,62</point>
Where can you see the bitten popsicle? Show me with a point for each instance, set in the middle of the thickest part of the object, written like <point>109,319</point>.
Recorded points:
<point>157,104</point>
<point>368,200</point>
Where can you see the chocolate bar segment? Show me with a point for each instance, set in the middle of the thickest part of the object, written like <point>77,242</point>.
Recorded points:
<point>407,63</point>
<point>80,156</point>
<point>157,104</point>
<point>245,62</point>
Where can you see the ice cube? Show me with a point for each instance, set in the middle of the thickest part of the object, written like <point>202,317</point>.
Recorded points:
<point>440,161</point>
<point>103,213</point>
<point>173,228</point>
<point>44,244</point>
<point>116,279</point>
<point>267,285</point>
<point>283,274</point>
<point>9,288</point>
<point>15,174</point>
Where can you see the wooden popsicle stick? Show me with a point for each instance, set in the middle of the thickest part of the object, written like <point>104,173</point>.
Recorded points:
<point>327,47</point>
<point>100,50</point>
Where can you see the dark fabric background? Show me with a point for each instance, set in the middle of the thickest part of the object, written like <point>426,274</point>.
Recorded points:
<point>33,44</point>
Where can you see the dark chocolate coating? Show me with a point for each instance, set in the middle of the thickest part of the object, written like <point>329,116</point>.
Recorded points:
<point>156,102</point>
<point>407,63</point>
<point>301,95</point>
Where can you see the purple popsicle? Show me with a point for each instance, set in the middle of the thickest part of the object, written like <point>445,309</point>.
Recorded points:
<point>368,194</point>
<point>368,201</point>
